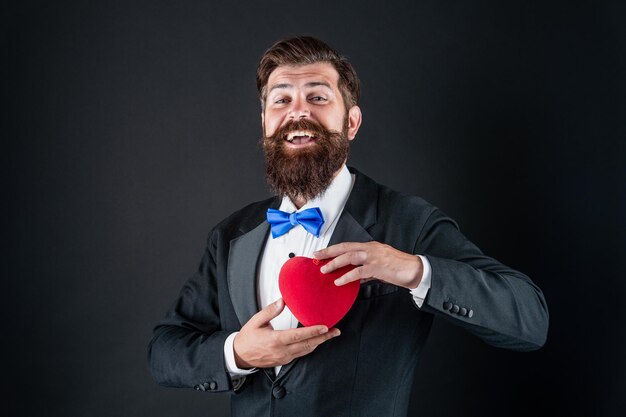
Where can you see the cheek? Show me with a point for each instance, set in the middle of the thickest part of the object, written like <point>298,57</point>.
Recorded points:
<point>270,129</point>
<point>331,117</point>
<point>333,123</point>
<point>270,124</point>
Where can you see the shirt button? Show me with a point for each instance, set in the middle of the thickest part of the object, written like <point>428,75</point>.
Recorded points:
<point>291,254</point>
<point>279,392</point>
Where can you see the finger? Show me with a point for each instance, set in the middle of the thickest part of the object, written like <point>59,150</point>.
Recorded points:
<point>350,258</point>
<point>297,335</point>
<point>307,346</point>
<point>358,273</point>
<point>263,317</point>
<point>338,249</point>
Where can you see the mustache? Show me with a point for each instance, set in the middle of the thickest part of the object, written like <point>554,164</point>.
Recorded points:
<point>302,124</point>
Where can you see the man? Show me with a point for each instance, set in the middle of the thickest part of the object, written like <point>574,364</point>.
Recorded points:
<point>229,330</point>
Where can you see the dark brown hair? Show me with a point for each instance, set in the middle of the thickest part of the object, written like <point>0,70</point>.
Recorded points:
<point>304,50</point>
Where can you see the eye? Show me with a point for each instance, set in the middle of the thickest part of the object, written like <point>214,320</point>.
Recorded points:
<point>318,99</point>
<point>281,101</point>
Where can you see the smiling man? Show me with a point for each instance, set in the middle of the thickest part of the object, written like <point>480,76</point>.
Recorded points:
<point>229,330</point>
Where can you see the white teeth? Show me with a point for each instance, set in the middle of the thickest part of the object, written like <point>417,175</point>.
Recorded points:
<point>298,133</point>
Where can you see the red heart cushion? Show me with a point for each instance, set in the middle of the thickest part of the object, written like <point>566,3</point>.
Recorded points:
<point>313,297</point>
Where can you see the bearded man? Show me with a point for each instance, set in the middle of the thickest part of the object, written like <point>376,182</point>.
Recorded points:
<point>229,330</point>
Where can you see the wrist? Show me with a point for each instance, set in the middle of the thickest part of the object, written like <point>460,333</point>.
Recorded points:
<point>416,272</point>
<point>240,362</point>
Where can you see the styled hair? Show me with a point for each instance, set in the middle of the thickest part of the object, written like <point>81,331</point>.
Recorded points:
<point>305,50</point>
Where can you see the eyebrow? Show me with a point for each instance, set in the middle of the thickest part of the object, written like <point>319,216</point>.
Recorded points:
<point>308,85</point>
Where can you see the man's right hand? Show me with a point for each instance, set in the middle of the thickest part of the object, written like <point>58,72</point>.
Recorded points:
<point>258,345</point>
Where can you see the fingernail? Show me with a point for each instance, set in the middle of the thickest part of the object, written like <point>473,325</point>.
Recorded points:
<point>323,330</point>
<point>336,333</point>
<point>338,282</point>
<point>323,270</point>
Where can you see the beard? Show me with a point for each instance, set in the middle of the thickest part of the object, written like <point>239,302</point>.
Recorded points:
<point>306,172</point>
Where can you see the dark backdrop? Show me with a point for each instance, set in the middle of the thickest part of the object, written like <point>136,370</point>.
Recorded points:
<point>131,128</point>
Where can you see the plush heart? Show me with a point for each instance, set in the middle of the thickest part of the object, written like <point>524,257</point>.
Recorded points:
<point>312,296</point>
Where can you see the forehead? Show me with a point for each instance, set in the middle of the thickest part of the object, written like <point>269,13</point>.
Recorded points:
<point>303,74</point>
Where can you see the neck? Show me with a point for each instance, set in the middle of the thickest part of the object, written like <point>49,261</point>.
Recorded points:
<point>298,202</point>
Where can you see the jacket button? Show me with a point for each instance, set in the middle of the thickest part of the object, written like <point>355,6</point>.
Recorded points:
<point>197,388</point>
<point>463,311</point>
<point>455,309</point>
<point>447,305</point>
<point>470,313</point>
<point>208,386</point>
<point>279,392</point>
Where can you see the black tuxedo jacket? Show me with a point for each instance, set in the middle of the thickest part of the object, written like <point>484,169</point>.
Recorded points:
<point>368,370</point>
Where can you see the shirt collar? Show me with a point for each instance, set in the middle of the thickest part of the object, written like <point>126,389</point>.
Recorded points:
<point>330,202</point>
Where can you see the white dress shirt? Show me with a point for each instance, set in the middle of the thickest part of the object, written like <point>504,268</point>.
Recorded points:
<point>299,242</point>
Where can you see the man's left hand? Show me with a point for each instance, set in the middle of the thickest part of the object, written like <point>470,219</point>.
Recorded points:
<point>373,260</point>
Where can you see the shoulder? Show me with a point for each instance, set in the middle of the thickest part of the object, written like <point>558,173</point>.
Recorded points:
<point>393,203</point>
<point>403,211</point>
<point>391,216</point>
<point>392,200</point>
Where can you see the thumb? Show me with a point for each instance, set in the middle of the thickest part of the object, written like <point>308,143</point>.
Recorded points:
<point>268,313</point>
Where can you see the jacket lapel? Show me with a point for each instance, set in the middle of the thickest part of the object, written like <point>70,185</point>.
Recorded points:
<point>243,258</point>
<point>358,215</point>
<point>349,230</point>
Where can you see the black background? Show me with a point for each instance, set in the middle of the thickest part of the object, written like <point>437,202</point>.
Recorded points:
<point>131,128</point>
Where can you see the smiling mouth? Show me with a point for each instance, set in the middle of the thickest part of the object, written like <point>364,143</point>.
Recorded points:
<point>301,137</point>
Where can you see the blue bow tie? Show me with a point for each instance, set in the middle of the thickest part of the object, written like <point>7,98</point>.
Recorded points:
<point>281,221</point>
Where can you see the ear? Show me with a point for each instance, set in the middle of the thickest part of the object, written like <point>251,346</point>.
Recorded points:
<point>354,121</point>
<point>263,122</point>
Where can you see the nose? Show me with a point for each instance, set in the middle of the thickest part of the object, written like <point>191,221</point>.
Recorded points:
<point>299,110</point>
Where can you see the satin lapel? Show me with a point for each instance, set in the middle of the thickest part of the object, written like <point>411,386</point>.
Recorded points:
<point>243,259</point>
<point>348,229</point>
<point>359,213</point>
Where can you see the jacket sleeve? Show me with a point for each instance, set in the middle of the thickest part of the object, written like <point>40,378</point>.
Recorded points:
<point>187,348</point>
<point>500,305</point>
